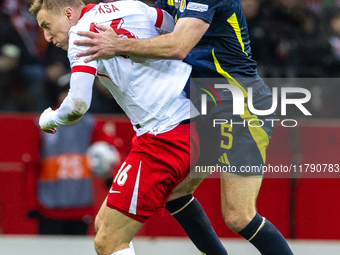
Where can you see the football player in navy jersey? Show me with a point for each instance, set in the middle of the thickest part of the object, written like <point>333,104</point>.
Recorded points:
<point>212,36</point>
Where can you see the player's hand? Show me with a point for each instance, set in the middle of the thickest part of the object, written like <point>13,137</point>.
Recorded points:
<point>102,44</point>
<point>44,123</point>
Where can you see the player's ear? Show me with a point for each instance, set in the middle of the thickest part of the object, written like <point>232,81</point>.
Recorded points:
<point>69,13</point>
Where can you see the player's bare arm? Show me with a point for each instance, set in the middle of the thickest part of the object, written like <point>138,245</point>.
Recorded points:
<point>175,45</point>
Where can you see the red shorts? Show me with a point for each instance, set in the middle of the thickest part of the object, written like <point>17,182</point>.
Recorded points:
<point>153,168</point>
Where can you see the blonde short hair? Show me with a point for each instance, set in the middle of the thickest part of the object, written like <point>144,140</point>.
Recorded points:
<point>54,6</point>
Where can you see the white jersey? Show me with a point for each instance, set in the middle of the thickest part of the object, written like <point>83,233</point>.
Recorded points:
<point>149,91</point>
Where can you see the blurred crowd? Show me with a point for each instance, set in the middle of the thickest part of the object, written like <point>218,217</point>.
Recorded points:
<point>295,38</point>
<point>289,38</point>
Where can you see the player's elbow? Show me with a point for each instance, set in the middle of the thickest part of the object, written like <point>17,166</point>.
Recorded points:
<point>180,53</point>
<point>79,109</point>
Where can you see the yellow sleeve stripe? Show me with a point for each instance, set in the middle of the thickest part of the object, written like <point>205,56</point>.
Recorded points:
<point>182,4</point>
<point>225,74</point>
<point>235,25</point>
<point>171,2</point>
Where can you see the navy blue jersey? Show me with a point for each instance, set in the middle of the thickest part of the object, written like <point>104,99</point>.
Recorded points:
<point>224,50</point>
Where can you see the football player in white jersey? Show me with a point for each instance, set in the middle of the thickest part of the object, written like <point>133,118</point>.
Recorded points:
<point>149,91</point>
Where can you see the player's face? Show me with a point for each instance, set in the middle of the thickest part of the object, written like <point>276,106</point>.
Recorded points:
<point>55,26</point>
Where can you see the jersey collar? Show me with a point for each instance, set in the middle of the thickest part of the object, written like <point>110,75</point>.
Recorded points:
<point>86,9</point>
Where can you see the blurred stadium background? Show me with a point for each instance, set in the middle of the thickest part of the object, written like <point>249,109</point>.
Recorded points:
<point>290,39</point>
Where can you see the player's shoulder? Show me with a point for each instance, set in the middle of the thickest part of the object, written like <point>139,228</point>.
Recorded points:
<point>207,5</point>
<point>106,11</point>
<point>121,5</point>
